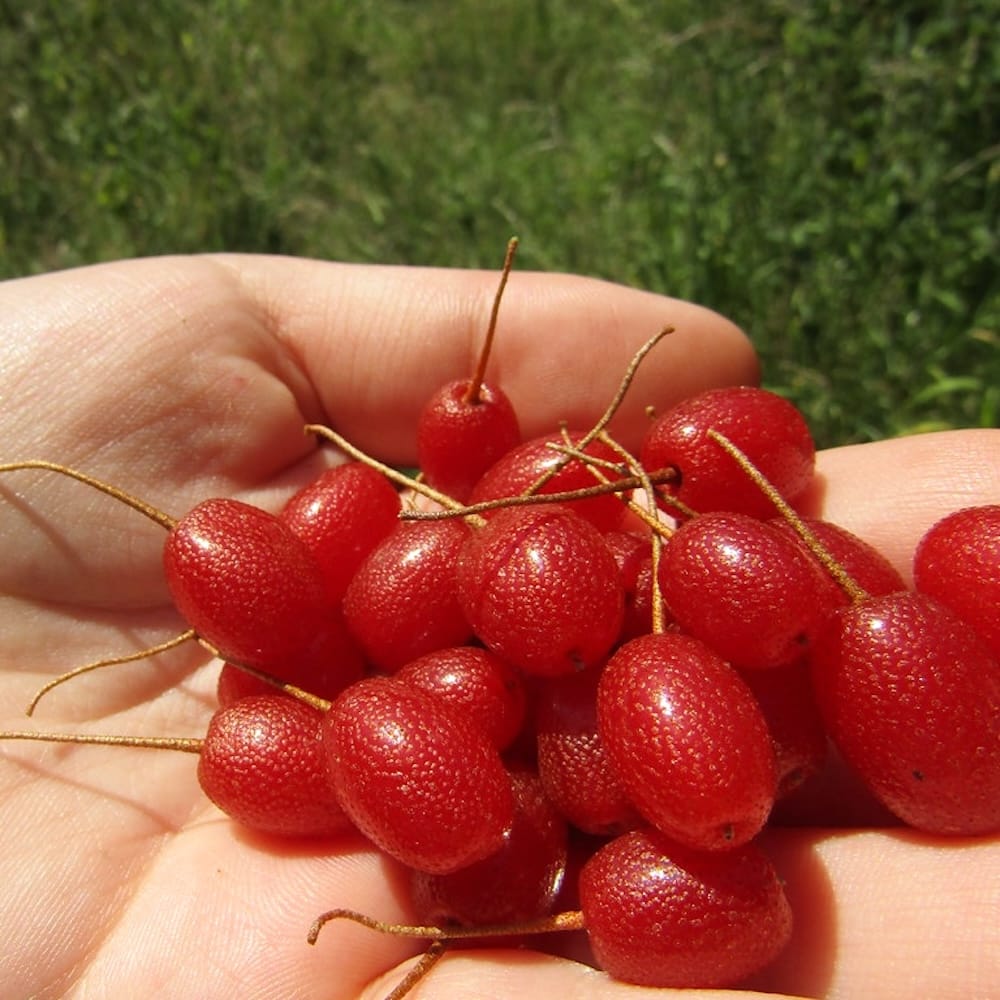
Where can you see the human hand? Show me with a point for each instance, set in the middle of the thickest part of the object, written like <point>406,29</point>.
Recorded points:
<point>179,379</point>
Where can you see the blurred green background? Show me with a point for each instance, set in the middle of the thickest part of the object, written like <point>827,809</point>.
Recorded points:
<point>827,174</point>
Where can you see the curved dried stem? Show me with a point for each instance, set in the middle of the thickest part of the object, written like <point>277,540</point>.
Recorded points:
<point>154,514</point>
<point>571,920</point>
<point>611,410</point>
<point>472,395</point>
<point>142,654</point>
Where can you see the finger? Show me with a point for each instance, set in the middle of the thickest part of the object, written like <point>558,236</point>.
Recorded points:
<point>891,492</point>
<point>377,341</point>
<point>888,914</point>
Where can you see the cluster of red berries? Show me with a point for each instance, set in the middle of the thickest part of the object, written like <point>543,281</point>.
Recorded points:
<point>640,654</point>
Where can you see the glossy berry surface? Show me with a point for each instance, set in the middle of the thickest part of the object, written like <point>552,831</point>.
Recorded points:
<point>660,914</point>
<point>522,466</point>
<point>518,882</point>
<point>341,516</point>
<point>766,427</point>
<point>958,562</point>
<point>403,601</point>
<point>487,690</point>
<point>911,696</point>
<point>263,763</point>
<point>688,741</point>
<point>245,582</point>
<point>419,781</point>
<point>539,587</point>
<point>573,764</point>
<point>744,588</point>
<point>458,439</point>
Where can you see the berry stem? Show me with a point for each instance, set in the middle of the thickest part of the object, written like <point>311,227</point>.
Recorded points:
<point>612,409</point>
<point>182,743</point>
<point>142,654</point>
<point>427,961</point>
<point>393,475</point>
<point>850,587</point>
<point>570,920</point>
<point>472,395</point>
<point>162,519</point>
<point>601,488</point>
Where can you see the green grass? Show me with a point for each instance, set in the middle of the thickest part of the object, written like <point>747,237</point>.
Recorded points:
<point>827,174</point>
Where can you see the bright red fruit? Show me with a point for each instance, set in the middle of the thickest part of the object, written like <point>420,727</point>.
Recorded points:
<point>540,587</point>
<point>745,588</point>
<point>419,781</point>
<point>958,563</point>
<point>518,882</point>
<point>688,741</point>
<point>403,601</point>
<point>341,516</point>
<point>660,914</point>
<point>263,764</point>
<point>572,762</point>
<point>767,428</point>
<point>911,696</point>
<point>245,582</point>
<point>487,690</point>
<point>522,466</point>
<point>458,439</point>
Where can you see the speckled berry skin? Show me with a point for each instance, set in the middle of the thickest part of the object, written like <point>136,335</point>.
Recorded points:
<point>958,562</point>
<point>420,782</point>
<point>688,741</point>
<point>263,763</point>
<point>540,587</point>
<point>911,696</point>
<point>660,914</point>
<point>244,582</point>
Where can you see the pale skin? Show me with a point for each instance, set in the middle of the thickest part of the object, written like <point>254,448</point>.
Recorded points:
<point>183,378</point>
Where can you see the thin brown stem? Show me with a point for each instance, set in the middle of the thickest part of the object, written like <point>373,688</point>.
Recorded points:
<point>154,514</point>
<point>571,920</point>
<point>182,743</point>
<point>611,410</point>
<point>601,488</point>
<point>276,682</point>
<point>850,587</point>
<point>393,475</point>
<point>431,956</point>
<point>472,395</point>
<point>142,654</point>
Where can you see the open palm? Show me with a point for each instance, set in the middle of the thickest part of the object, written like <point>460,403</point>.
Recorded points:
<point>183,378</point>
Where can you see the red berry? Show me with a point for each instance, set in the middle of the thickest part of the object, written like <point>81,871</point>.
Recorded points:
<point>660,914</point>
<point>767,428</point>
<point>418,780</point>
<point>263,763</point>
<point>519,882</point>
<point>245,582</point>
<point>522,466</point>
<point>911,696</point>
<point>341,516</point>
<point>403,602</point>
<point>572,762</point>
<point>458,439</point>
<point>744,588</point>
<point>477,683</point>
<point>688,740</point>
<point>958,563</point>
<point>539,586</point>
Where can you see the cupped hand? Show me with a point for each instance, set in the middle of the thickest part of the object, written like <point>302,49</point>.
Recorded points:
<point>182,378</point>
